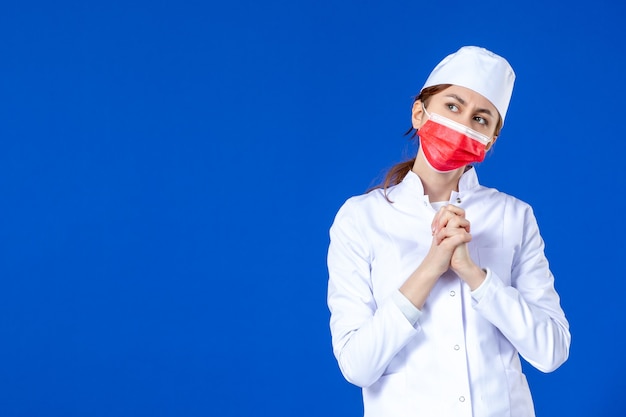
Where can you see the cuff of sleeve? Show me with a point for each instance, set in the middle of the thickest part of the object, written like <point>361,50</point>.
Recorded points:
<point>479,292</point>
<point>407,308</point>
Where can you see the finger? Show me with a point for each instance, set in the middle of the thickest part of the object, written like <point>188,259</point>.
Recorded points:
<point>459,222</point>
<point>433,225</point>
<point>451,241</point>
<point>444,215</point>
<point>455,209</point>
<point>441,219</point>
<point>451,232</point>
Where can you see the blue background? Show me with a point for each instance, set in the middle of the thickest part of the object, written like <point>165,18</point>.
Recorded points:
<point>169,171</point>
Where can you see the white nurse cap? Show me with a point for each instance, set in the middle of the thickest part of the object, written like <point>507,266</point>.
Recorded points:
<point>480,70</point>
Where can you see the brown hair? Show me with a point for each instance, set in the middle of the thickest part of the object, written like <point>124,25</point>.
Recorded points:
<point>396,173</point>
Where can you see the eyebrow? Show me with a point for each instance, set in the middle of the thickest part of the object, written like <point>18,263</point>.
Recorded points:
<point>460,100</point>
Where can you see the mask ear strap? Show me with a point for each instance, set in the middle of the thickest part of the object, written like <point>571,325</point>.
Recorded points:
<point>425,111</point>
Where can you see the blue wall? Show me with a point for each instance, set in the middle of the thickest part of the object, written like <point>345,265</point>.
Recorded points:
<point>169,171</point>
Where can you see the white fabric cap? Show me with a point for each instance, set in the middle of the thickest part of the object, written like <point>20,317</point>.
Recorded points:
<point>480,70</point>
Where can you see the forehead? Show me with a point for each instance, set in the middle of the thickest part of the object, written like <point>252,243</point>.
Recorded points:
<point>469,97</point>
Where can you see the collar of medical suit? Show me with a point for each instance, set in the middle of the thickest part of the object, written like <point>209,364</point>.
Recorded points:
<point>411,190</point>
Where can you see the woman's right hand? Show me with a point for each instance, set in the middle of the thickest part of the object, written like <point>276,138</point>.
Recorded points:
<point>450,229</point>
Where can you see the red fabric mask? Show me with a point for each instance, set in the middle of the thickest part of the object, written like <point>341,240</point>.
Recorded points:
<point>448,145</point>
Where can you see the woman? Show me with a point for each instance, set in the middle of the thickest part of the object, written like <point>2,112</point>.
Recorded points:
<point>436,283</point>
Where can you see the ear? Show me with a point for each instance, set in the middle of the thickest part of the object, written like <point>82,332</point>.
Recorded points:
<point>490,144</point>
<point>417,114</point>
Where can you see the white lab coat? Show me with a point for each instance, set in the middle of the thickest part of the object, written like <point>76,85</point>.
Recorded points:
<point>461,357</point>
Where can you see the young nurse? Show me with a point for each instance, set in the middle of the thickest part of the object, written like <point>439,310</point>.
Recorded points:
<point>437,284</point>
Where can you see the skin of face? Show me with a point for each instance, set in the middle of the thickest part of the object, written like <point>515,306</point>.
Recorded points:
<point>462,105</point>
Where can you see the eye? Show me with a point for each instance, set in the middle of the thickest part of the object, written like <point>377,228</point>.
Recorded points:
<point>452,107</point>
<point>481,120</point>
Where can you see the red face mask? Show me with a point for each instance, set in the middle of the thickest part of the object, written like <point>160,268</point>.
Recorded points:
<point>448,145</point>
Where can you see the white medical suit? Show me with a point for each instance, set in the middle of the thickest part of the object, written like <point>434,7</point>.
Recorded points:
<point>459,355</point>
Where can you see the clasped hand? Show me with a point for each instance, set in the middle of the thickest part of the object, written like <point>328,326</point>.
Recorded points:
<point>451,233</point>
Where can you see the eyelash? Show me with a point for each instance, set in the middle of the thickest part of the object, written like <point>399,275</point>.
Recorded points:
<point>478,119</point>
<point>484,121</point>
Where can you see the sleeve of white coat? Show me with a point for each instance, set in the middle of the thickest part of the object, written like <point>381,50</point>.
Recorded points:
<point>365,336</point>
<point>528,313</point>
